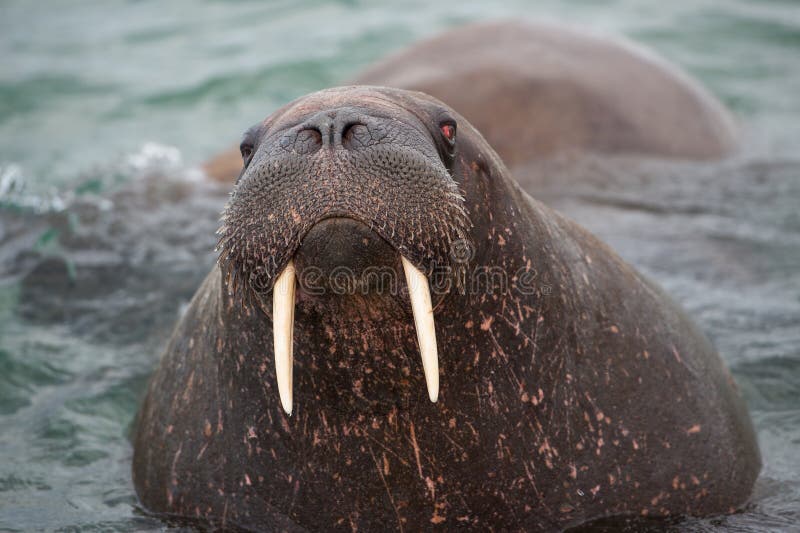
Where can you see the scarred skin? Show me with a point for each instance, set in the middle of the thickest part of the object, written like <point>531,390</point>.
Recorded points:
<point>537,90</point>
<point>579,391</point>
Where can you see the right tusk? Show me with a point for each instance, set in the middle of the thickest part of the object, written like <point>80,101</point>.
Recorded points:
<point>420,294</point>
<point>283,333</point>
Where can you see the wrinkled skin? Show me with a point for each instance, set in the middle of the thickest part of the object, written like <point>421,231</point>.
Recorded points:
<point>580,391</point>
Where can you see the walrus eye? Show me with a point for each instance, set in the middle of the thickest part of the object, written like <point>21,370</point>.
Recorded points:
<point>247,151</point>
<point>447,144</point>
<point>449,132</point>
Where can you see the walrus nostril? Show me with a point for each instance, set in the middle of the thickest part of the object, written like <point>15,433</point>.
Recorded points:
<point>309,139</point>
<point>352,133</point>
<point>320,127</point>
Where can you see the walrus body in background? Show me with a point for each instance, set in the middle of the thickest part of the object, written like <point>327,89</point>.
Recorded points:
<point>571,387</point>
<point>538,90</point>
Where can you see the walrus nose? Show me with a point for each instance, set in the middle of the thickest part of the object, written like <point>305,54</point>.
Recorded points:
<point>333,125</point>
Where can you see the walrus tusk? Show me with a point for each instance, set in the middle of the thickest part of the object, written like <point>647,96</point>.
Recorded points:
<point>283,333</point>
<point>420,294</point>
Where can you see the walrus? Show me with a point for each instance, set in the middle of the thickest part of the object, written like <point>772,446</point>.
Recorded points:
<point>396,336</point>
<point>537,90</point>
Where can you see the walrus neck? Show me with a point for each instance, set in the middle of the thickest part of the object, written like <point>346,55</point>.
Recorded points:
<point>357,355</point>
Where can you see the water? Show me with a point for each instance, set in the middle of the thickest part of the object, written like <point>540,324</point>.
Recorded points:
<point>105,231</point>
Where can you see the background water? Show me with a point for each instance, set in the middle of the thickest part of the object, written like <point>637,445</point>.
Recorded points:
<point>105,230</point>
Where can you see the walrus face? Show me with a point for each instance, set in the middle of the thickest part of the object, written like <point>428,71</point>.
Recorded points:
<point>344,180</point>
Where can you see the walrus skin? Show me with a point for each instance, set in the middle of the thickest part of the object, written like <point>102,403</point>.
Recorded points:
<point>575,389</point>
<point>536,90</point>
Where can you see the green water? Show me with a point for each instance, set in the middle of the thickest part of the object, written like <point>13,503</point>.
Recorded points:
<point>104,235</point>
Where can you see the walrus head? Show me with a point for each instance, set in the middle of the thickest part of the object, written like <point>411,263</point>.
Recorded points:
<point>340,184</point>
